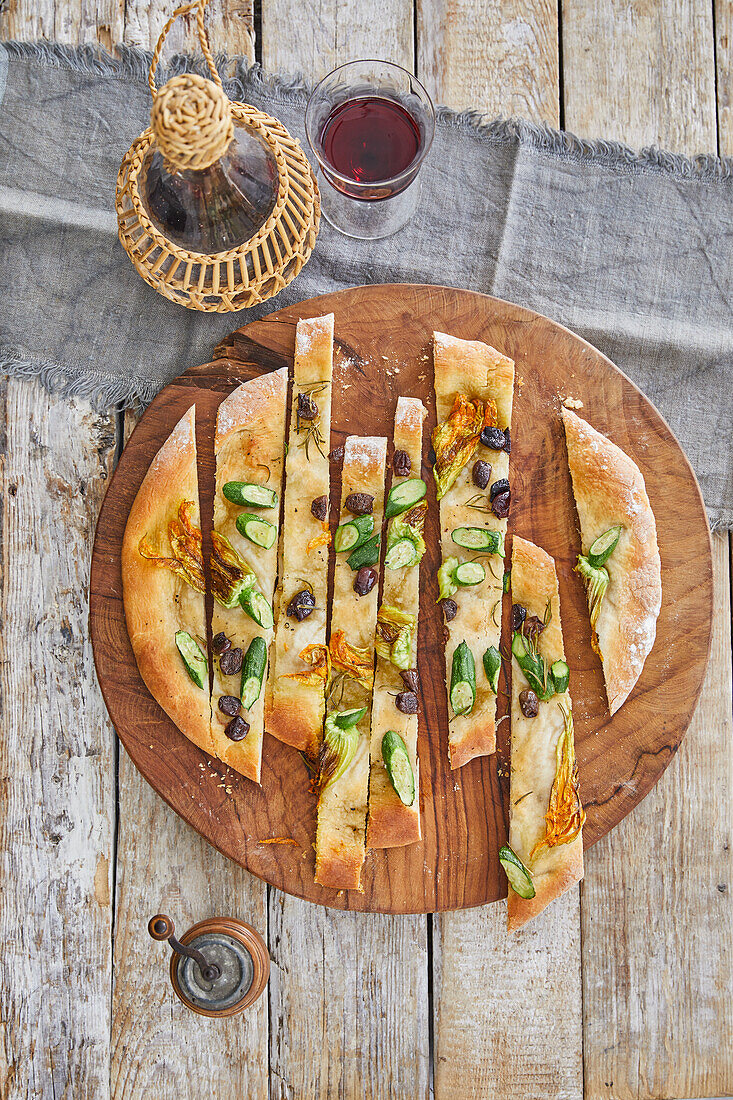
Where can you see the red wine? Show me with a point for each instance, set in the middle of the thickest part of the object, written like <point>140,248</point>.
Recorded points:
<point>370,139</point>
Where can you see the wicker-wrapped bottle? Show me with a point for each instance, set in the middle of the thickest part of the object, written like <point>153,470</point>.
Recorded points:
<point>217,206</point>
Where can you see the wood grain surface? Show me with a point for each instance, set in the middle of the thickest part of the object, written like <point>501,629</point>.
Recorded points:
<point>455,866</point>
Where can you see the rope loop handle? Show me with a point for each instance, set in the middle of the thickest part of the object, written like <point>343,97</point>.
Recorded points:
<point>198,6</point>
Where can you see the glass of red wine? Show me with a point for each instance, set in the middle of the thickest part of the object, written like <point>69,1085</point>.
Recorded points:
<point>370,125</point>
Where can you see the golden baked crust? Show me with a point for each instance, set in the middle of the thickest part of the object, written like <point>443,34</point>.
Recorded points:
<point>390,823</point>
<point>294,711</point>
<point>342,806</point>
<point>249,446</point>
<point>609,490</point>
<point>157,602</point>
<point>534,746</point>
<point>478,371</point>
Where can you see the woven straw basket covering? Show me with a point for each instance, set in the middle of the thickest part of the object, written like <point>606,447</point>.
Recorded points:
<point>253,271</point>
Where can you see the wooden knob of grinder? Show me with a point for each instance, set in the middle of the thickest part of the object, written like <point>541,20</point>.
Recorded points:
<point>161,927</point>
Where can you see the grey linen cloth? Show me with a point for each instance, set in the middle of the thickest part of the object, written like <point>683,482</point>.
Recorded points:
<point>632,251</point>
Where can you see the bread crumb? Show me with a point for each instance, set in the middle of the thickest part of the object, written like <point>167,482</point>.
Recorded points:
<point>572,403</point>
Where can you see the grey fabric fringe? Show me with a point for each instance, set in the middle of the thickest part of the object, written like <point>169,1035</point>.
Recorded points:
<point>630,249</point>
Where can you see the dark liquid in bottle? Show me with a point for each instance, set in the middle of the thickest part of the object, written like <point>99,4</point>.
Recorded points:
<point>370,139</point>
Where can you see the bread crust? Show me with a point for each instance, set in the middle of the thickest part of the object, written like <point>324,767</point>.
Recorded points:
<point>609,490</point>
<point>390,823</point>
<point>157,602</point>
<point>478,371</point>
<point>249,445</point>
<point>534,744</point>
<point>342,805</point>
<point>294,711</point>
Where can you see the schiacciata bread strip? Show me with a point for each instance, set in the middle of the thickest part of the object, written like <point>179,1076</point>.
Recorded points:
<point>545,813</point>
<point>474,387</point>
<point>394,818</point>
<point>296,689</point>
<point>163,585</point>
<point>250,448</point>
<point>620,563</point>
<point>343,777</point>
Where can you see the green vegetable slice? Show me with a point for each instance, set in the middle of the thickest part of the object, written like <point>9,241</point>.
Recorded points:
<point>399,769</point>
<point>345,719</point>
<point>463,680</point>
<point>249,495</point>
<point>505,581</point>
<point>402,554</point>
<point>194,658</point>
<point>353,533</point>
<point>479,538</point>
<point>257,607</point>
<point>596,583</point>
<point>519,876</point>
<point>366,554</point>
<point>531,664</point>
<point>258,530</point>
<point>469,573</point>
<point>404,495</point>
<point>601,550</point>
<point>253,672</point>
<point>492,667</point>
<point>560,673</point>
<point>337,750</point>
<point>446,585</point>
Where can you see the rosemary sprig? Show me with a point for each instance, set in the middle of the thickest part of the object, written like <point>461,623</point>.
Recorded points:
<point>479,507</point>
<point>313,433</point>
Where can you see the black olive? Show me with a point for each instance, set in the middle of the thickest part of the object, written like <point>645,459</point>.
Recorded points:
<point>230,662</point>
<point>359,504</point>
<point>365,580</point>
<point>319,508</point>
<point>508,443</point>
<point>450,609</point>
<point>410,679</point>
<point>406,702</point>
<point>237,729</point>
<point>307,408</point>
<point>301,605</point>
<point>529,704</point>
<point>481,474</point>
<point>220,643</point>
<point>500,486</point>
<point>401,463</point>
<point>493,438</point>
<point>532,627</point>
<point>229,704</point>
<point>519,614</point>
<point>500,505</point>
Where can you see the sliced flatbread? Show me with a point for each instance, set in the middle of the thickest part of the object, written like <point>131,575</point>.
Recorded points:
<point>478,372</point>
<point>609,492</point>
<point>295,707</point>
<point>159,600</point>
<point>535,743</point>
<point>342,805</point>
<point>250,448</point>
<point>392,823</point>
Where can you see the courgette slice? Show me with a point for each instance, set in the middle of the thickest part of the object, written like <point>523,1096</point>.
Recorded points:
<point>253,672</point>
<point>479,538</point>
<point>258,530</point>
<point>403,553</point>
<point>469,573</point>
<point>601,550</point>
<point>345,719</point>
<point>366,554</point>
<point>492,667</point>
<point>249,495</point>
<point>353,533</point>
<point>560,673</point>
<point>463,680</point>
<point>399,769</point>
<point>194,658</point>
<point>519,876</point>
<point>257,607</point>
<point>404,496</point>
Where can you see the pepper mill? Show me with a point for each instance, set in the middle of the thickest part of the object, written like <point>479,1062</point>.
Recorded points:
<point>219,966</point>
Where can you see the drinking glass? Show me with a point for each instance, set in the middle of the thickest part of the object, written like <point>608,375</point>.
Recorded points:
<point>370,125</point>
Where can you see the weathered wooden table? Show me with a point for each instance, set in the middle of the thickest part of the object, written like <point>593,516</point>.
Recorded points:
<point>620,990</point>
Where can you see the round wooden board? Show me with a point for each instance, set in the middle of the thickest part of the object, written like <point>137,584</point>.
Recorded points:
<point>383,338</point>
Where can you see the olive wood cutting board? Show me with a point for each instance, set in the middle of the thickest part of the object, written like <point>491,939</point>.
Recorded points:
<point>382,350</point>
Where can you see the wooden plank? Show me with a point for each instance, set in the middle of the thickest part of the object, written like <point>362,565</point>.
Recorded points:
<point>71,23</point>
<point>657,929</point>
<point>158,1047</point>
<point>327,33</point>
<point>230,24</point>
<point>56,753</point>
<point>724,65</point>
<point>482,977</point>
<point>498,56</point>
<point>348,993</point>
